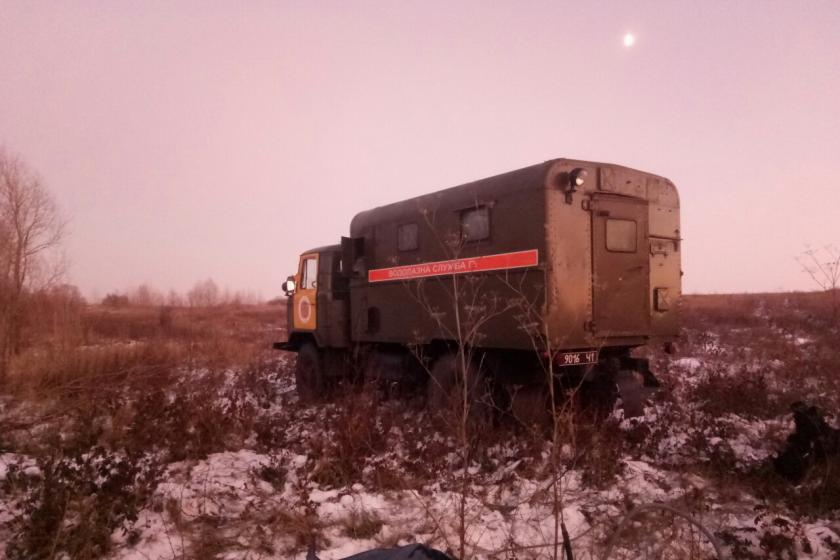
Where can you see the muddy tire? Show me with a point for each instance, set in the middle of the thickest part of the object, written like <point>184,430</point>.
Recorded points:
<point>310,379</point>
<point>444,393</point>
<point>634,391</point>
<point>598,396</point>
<point>530,405</point>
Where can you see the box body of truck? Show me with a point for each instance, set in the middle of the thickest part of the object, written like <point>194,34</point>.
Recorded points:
<point>563,256</point>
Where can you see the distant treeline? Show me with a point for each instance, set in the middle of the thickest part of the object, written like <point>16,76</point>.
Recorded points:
<point>205,293</point>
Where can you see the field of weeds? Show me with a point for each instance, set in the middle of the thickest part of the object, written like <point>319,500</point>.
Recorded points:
<point>145,433</point>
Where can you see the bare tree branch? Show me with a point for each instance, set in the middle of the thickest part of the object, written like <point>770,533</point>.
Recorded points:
<point>31,231</point>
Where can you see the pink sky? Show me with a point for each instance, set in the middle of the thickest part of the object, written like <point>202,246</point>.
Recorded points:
<point>206,139</point>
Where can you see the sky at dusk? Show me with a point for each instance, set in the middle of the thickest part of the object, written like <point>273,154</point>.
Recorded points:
<point>187,140</point>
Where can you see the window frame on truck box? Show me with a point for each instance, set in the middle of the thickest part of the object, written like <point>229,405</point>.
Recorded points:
<point>464,216</point>
<point>408,237</point>
<point>616,240</point>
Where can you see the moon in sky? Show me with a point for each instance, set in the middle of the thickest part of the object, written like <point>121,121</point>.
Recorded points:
<point>629,40</point>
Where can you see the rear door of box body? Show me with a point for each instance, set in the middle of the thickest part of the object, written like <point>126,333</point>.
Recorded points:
<point>620,266</point>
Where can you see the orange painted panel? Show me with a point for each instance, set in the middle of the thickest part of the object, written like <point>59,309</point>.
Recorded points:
<point>305,312</point>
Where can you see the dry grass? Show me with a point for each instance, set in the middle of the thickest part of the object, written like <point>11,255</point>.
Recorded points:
<point>119,345</point>
<point>362,524</point>
<point>356,430</point>
<point>768,351</point>
<point>104,400</point>
<point>172,384</point>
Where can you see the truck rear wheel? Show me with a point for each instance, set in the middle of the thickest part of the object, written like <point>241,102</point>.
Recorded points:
<point>444,392</point>
<point>309,373</point>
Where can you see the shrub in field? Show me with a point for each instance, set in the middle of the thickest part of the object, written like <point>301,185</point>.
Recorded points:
<point>823,486</point>
<point>600,448</point>
<point>362,524</point>
<point>775,537</point>
<point>275,473</point>
<point>77,502</point>
<point>356,433</point>
<point>745,393</point>
<point>188,420</point>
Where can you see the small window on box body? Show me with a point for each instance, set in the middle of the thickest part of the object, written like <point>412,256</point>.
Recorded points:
<point>475,224</point>
<point>407,237</point>
<point>621,236</point>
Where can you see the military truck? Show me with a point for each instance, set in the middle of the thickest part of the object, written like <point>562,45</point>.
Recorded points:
<point>560,267</point>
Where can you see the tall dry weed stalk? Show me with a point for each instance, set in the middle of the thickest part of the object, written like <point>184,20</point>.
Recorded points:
<point>823,267</point>
<point>468,307</point>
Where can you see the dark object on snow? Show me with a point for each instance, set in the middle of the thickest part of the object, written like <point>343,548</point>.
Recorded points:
<point>812,440</point>
<point>410,552</point>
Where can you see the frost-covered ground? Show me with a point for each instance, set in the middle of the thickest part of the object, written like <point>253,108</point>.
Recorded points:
<point>250,472</point>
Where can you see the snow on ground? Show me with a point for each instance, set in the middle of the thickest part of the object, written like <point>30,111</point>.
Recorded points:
<point>250,510</point>
<point>518,513</point>
<point>10,507</point>
<point>689,364</point>
<point>700,445</point>
<point>227,485</point>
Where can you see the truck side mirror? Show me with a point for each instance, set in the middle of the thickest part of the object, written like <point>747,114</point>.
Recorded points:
<point>289,286</point>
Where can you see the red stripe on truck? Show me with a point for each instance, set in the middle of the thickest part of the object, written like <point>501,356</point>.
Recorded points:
<point>501,261</point>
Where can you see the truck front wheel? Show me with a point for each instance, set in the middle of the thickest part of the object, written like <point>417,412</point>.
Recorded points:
<point>309,373</point>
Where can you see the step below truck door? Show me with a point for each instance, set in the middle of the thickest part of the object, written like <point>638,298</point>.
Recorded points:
<point>620,274</point>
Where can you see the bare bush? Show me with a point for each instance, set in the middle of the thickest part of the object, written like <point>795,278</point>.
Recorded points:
<point>203,294</point>
<point>362,524</point>
<point>116,300</point>
<point>357,432</point>
<point>80,498</point>
<point>719,393</point>
<point>146,296</point>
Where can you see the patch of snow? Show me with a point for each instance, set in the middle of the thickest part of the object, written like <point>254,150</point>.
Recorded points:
<point>690,364</point>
